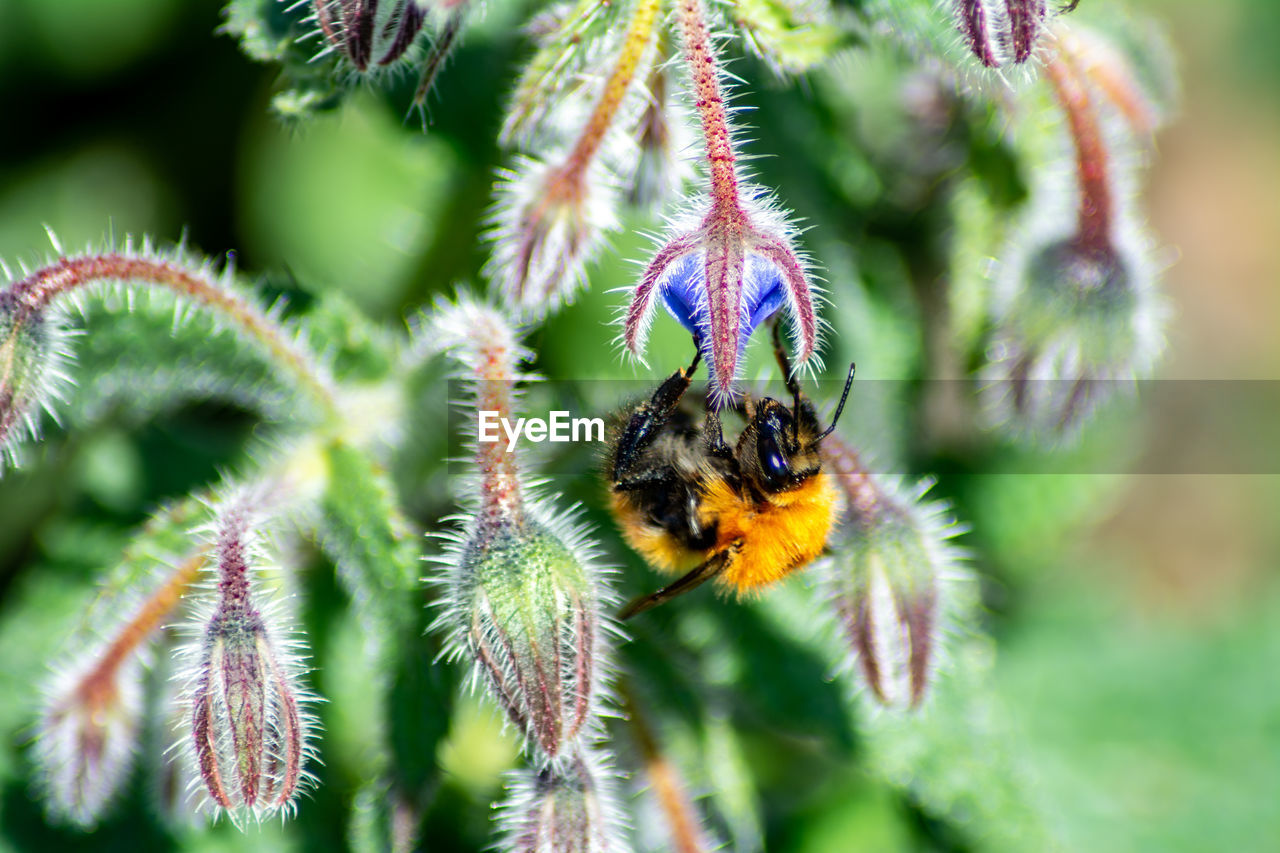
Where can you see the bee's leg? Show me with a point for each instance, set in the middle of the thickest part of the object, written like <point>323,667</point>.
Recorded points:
<point>713,436</point>
<point>784,360</point>
<point>694,579</point>
<point>649,419</point>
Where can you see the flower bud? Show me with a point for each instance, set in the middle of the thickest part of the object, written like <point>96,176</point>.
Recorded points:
<point>565,810</point>
<point>1082,326</point>
<point>523,600</point>
<point>889,563</point>
<point>248,727</point>
<point>87,739</point>
<point>31,353</point>
<point>547,224</point>
<point>369,33</point>
<point>524,607</point>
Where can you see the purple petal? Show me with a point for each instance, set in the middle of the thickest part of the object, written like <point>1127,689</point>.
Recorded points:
<point>684,294</point>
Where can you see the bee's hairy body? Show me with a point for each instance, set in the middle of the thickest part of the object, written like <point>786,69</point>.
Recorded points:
<point>746,515</point>
<point>677,525</point>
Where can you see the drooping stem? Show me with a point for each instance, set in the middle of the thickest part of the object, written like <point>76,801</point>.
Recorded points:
<point>1093,163</point>
<point>496,360</point>
<point>68,275</point>
<point>664,780</point>
<point>1112,76</point>
<point>639,34</point>
<point>97,689</point>
<point>700,56</point>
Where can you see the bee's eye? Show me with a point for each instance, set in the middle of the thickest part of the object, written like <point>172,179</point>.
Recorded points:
<point>773,462</point>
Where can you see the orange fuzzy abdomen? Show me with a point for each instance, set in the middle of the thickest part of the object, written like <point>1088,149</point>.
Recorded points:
<point>769,540</point>
<point>775,538</point>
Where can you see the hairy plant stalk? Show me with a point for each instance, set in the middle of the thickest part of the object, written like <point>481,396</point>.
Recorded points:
<point>150,617</point>
<point>637,39</point>
<point>71,274</point>
<point>683,824</point>
<point>1095,212</point>
<point>700,57</point>
<point>496,366</point>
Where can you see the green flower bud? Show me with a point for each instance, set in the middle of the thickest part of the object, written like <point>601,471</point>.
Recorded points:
<point>567,810</point>
<point>524,605</point>
<point>892,560</point>
<point>1081,327</point>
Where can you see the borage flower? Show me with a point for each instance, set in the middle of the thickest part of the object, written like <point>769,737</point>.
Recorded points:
<point>523,596</point>
<point>550,216</point>
<point>249,724</point>
<point>734,269</point>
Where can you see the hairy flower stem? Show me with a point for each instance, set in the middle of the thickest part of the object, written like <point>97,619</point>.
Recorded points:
<point>97,688</point>
<point>495,366</point>
<point>67,275</point>
<point>1093,162</point>
<point>700,56</point>
<point>682,820</point>
<point>639,34</point>
<point>148,618</point>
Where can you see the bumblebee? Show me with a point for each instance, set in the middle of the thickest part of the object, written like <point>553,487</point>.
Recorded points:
<point>747,514</point>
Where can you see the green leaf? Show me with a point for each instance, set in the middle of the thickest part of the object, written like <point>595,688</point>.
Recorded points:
<point>793,37</point>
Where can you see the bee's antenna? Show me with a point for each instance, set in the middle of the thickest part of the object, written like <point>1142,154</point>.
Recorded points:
<point>835,419</point>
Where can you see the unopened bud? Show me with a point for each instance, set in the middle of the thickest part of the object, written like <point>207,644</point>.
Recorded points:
<point>524,607</point>
<point>547,224</point>
<point>890,561</point>
<point>31,352</point>
<point>248,725</point>
<point>1082,326</point>
<point>87,739</point>
<point>522,597</point>
<point>569,809</point>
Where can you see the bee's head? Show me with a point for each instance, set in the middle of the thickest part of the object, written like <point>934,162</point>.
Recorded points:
<point>775,449</point>
<point>778,450</point>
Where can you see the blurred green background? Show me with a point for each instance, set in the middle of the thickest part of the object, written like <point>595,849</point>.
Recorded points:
<point>1137,618</point>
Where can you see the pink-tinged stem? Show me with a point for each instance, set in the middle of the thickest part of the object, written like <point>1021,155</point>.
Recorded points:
<point>1092,158</point>
<point>700,56</point>
<point>98,688</point>
<point>67,275</point>
<point>501,497</point>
